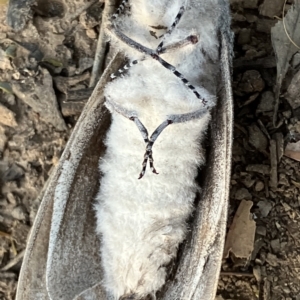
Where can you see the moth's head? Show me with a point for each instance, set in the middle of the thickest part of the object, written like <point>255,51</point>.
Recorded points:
<point>156,12</point>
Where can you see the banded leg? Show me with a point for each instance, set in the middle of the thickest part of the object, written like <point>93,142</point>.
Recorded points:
<point>178,118</point>
<point>177,19</point>
<point>123,69</point>
<point>180,76</point>
<point>119,9</point>
<point>131,115</point>
<point>155,56</point>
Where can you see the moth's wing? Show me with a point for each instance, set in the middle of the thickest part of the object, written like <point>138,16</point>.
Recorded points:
<point>199,267</point>
<point>73,263</point>
<point>94,293</point>
<point>65,225</point>
<point>32,278</point>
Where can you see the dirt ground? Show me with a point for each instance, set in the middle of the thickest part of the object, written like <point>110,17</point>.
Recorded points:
<point>46,54</point>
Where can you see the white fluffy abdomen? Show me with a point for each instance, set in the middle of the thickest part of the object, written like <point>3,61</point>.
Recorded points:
<point>142,221</point>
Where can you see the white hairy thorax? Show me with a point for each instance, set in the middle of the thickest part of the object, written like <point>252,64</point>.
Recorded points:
<point>142,222</point>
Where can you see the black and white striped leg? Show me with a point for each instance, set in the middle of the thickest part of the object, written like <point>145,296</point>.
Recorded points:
<point>131,115</point>
<point>180,76</point>
<point>172,119</point>
<point>148,154</point>
<point>155,56</point>
<point>119,9</point>
<point>123,69</point>
<point>177,19</point>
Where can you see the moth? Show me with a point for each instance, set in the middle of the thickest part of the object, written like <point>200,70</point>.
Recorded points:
<point>178,79</point>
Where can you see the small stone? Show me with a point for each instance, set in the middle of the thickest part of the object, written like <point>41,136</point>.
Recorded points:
<point>275,244</point>
<point>257,273</point>
<point>251,18</point>
<point>252,4</point>
<point>10,99</point>
<point>272,260</point>
<point>7,117</point>
<point>283,180</point>
<point>238,18</point>
<point>251,82</point>
<point>91,33</point>
<point>271,8</point>
<point>11,199</point>
<point>287,114</point>
<point>19,213</point>
<point>248,181</point>
<point>243,194</point>
<point>257,138</point>
<point>259,186</point>
<point>262,230</point>
<point>264,207</point>
<point>266,103</point>
<point>244,36</point>
<point>10,173</point>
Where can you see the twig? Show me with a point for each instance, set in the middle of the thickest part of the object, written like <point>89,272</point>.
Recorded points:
<point>101,45</point>
<point>7,275</point>
<point>14,261</point>
<point>77,95</point>
<point>236,274</point>
<point>64,83</point>
<point>273,172</point>
<point>263,128</point>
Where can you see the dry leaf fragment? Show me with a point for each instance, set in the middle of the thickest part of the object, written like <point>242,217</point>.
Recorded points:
<point>293,92</point>
<point>292,150</point>
<point>284,49</point>
<point>240,237</point>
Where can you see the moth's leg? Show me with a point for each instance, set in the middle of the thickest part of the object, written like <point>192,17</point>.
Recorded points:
<point>127,40</point>
<point>179,75</point>
<point>155,56</point>
<point>123,69</point>
<point>179,118</point>
<point>131,115</point>
<point>190,40</point>
<point>119,9</point>
<point>148,153</point>
<point>177,19</point>
<point>182,118</point>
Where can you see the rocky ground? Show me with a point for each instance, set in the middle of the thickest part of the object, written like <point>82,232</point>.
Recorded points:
<point>47,53</point>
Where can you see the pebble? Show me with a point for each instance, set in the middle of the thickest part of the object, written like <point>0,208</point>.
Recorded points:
<point>275,244</point>
<point>244,36</point>
<point>271,8</point>
<point>262,230</point>
<point>257,138</point>
<point>243,194</point>
<point>266,103</point>
<point>252,4</point>
<point>19,213</point>
<point>264,207</point>
<point>259,186</point>
<point>7,117</point>
<point>11,199</point>
<point>251,82</point>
